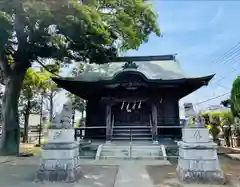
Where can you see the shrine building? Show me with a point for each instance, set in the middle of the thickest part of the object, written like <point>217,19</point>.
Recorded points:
<point>133,97</point>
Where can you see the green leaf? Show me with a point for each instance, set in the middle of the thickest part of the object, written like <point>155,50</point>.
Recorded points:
<point>6,29</point>
<point>235,97</point>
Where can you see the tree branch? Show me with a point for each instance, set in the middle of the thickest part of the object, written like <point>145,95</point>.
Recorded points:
<point>45,67</point>
<point>4,68</point>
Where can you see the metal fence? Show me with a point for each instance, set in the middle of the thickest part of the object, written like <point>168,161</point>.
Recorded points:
<point>88,142</point>
<point>80,132</point>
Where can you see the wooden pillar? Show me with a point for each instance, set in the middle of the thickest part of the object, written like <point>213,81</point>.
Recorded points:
<point>108,122</point>
<point>154,122</point>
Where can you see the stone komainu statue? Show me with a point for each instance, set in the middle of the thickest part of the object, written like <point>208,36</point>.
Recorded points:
<point>194,118</point>
<point>62,119</point>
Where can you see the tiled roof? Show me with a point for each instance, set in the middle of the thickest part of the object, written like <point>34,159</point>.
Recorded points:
<point>162,69</point>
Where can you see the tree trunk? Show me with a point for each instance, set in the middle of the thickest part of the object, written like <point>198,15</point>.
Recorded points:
<point>26,119</point>
<point>82,112</point>
<point>9,144</point>
<point>237,141</point>
<point>84,109</point>
<point>51,107</point>
<point>73,117</point>
<point>41,120</point>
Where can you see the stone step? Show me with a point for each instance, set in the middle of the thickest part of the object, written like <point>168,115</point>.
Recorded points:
<point>131,147</point>
<point>134,152</point>
<point>143,152</point>
<point>131,124</point>
<point>134,134</point>
<point>132,158</point>
<point>133,138</point>
<point>129,130</point>
<point>138,142</point>
<point>132,127</point>
<point>131,152</point>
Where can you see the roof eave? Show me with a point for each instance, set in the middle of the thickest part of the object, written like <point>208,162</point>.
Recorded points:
<point>194,84</point>
<point>186,85</point>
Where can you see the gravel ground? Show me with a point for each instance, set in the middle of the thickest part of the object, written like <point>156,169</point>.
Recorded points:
<point>21,173</point>
<point>23,176</point>
<point>165,176</point>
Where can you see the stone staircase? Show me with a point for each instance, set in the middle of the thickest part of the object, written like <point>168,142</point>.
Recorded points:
<point>131,151</point>
<point>122,132</point>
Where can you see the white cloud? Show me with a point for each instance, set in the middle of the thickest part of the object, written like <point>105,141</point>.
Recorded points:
<point>217,17</point>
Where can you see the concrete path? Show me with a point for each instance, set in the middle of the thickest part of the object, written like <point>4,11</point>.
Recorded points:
<point>234,156</point>
<point>130,175</point>
<point>106,173</point>
<point>4,159</point>
<point>111,162</point>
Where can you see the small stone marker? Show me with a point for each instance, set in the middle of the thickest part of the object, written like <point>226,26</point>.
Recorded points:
<point>60,155</point>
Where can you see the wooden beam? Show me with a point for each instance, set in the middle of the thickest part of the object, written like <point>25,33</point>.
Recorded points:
<point>142,58</point>
<point>108,122</point>
<point>154,122</point>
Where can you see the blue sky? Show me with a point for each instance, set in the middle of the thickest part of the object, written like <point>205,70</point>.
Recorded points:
<point>199,32</point>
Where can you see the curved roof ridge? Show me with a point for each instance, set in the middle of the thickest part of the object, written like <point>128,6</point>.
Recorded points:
<point>180,67</point>
<point>157,69</point>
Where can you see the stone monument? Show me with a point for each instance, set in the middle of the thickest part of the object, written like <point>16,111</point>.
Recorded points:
<point>60,155</point>
<point>198,159</point>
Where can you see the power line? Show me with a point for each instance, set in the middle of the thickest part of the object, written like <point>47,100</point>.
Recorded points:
<point>230,57</point>
<point>211,98</point>
<point>229,52</point>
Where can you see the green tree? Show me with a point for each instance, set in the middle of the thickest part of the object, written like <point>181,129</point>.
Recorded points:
<point>51,92</point>
<point>29,99</point>
<point>1,97</point>
<point>50,88</point>
<point>65,30</point>
<point>235,97</point>
<point>235,107</point>
<point>226,103</point>
<point>227,119</point>
<point>78,104</point>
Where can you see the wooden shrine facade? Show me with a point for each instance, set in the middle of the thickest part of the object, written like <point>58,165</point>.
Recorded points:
<point>132,111</point>
<point>131,97</point>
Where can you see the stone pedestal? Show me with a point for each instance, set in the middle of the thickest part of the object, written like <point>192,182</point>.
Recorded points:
<point>198,159</point>
<point>60,157</point>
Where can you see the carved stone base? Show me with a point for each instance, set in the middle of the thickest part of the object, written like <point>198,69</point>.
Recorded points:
<point>59,175</point>
<point>60,163</point>
<point>213,177</point>
<point>198,159</point>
